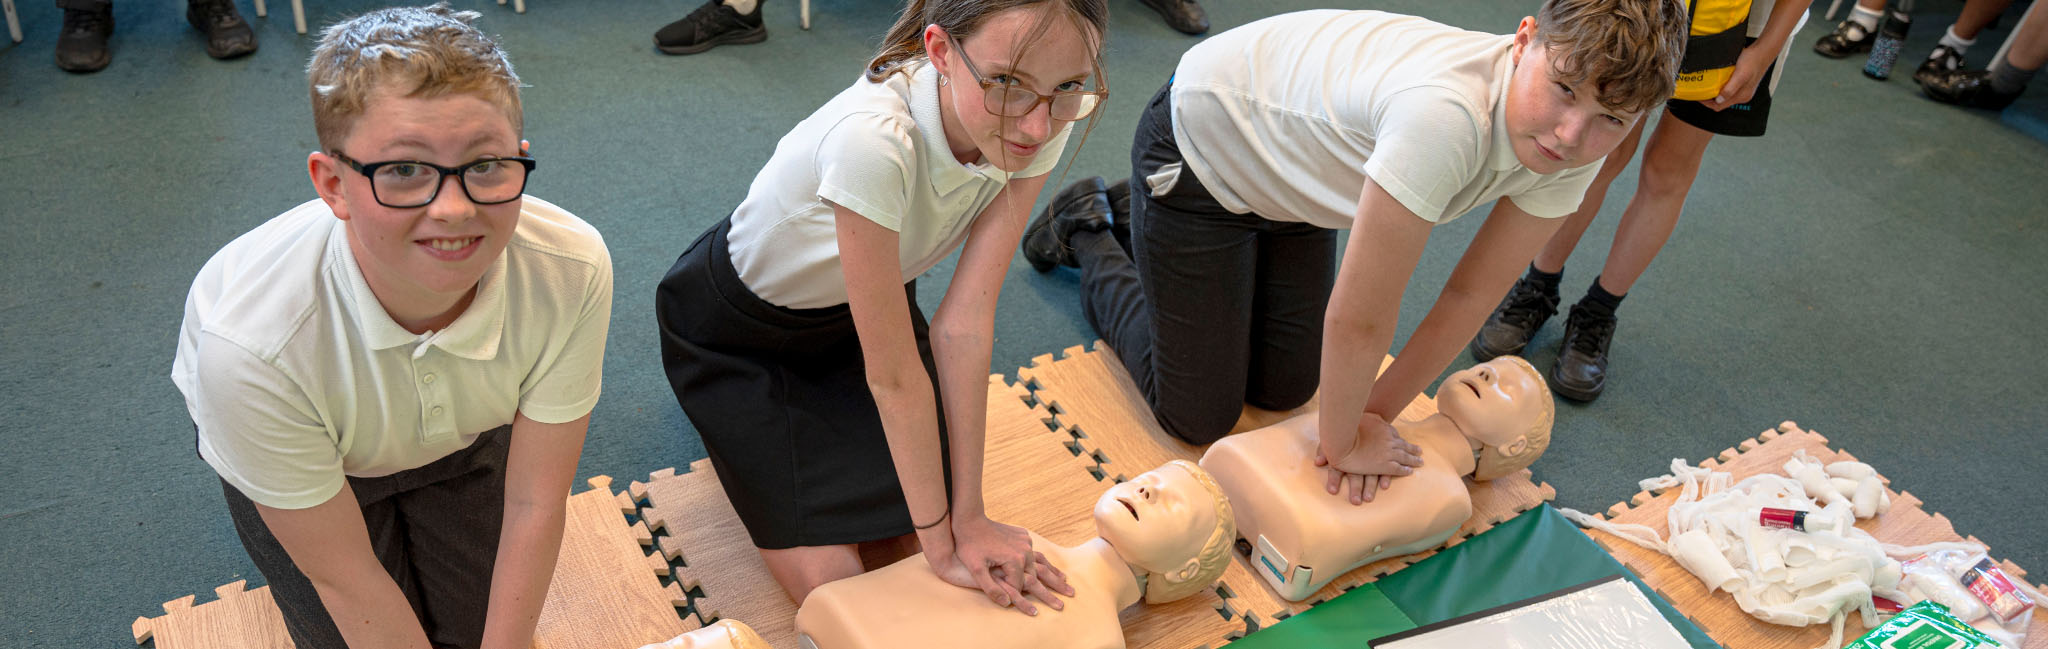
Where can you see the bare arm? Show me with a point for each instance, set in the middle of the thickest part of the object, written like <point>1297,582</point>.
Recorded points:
<point>868,256</point>
<point>1758,56</point>
<point>963,331</point>
<point>1385,244</point>
<point>331,545</point>
<point>538,470</point>
<point>1506,243</point>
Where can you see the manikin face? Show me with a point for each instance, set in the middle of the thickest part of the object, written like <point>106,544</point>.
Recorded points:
<point>1159,520</point>
<point>421,262</point>
<point>1556,126</point>
<point>1059,59</point>
<point>1495,402</point>
<point>723,634</point>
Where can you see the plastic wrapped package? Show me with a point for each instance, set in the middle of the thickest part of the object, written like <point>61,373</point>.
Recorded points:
<point>1606,614</point>
<point>1926,624</point>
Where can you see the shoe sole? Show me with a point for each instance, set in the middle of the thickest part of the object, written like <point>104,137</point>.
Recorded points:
<point>1043,221</point>
<point>744,38</point>
<point>1859,49</point>
<point>95,65</point>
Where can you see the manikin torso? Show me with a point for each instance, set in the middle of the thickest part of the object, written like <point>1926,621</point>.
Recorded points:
<point>919,610</point>
<point>1302,536</point>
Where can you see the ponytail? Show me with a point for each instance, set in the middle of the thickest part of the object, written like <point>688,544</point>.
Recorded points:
<point>904,42</point>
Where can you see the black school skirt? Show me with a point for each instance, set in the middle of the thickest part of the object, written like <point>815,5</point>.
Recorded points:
<point>780,398</point>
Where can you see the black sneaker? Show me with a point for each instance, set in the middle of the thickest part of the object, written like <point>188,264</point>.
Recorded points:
<point>1968,88</point>
<point>1183,15</point>
<point>1581,370</point>
<point>1849,38</point>
<point>227,35</point>
<point>710,26</point>
<point>1081,207</point>
<point>82,45</point>
<point>1524,310</point>
<point>1943,59</point>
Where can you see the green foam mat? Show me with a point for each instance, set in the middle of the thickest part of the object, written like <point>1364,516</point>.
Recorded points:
<point>1535,553</point>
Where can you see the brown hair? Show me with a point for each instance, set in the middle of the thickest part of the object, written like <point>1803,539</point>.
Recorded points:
<point>417,51</point>
<point>962,18</point>
<point>1628,49</point>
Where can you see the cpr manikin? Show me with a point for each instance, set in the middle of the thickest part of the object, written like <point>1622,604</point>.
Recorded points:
<point>1493,419</point>
<point>723,634</point>
<point>1164,535</point>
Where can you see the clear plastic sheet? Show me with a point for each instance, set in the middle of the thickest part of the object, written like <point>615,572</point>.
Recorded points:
<point>1611,614</point>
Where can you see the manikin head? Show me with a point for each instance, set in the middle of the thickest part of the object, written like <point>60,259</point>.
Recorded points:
<point>1173,523</point>
<point>723,634</point>
<point>1505,408</point>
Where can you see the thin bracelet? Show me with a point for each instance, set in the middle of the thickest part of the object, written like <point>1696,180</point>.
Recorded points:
<point>942,519</point>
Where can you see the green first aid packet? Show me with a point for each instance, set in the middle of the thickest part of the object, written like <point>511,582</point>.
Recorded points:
<point>1925,625</point>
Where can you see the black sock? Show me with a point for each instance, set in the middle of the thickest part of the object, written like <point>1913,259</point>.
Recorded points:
<point>1599,298</point>
<point>1546,281</point>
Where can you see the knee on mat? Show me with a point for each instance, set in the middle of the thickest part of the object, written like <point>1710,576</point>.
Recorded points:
<point>1287,398</point>
<point>1200,425</point>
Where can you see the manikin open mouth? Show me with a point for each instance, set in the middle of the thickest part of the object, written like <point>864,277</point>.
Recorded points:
<point>1127,505</point>
<point>1474,386</point>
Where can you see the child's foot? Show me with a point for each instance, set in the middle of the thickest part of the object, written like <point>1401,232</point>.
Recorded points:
<point>1849,38</point>
<point>227,35</point>
<point>1527,306</point>
<point>1581,370</point>
<point>82,45</point>
<point>1081,207</point>
<point>1943,60</point>
<point>710,26</point>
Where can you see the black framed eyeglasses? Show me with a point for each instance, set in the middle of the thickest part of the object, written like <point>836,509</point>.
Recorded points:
<point>409,183</point>
<point>1006,100</point>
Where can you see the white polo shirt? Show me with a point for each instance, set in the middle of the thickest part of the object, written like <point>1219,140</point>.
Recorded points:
<point>878,149</point>
<point>1286,117</point>
<point>296,376</point>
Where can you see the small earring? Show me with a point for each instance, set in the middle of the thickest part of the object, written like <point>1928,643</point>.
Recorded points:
<point>942,79</point>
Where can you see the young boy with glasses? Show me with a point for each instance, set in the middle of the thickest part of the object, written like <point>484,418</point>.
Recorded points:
<point>393,381</point>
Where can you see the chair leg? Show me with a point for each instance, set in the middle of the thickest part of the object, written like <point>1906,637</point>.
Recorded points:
<point>261,11</point>
<point>1832,7</point>
<point>805,14</point>
<point>518,6</point>
<point>13,21</point>
<point>299,15</point>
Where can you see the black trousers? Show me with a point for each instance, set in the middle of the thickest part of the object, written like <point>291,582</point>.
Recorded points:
<point>1210,310</point>
<point>435,529</point>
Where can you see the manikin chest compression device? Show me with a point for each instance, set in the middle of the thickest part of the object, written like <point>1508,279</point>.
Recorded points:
<point>1787,549</point>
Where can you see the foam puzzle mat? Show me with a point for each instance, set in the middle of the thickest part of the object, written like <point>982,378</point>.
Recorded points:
<point>607,593</point>
<point>1904,524</point>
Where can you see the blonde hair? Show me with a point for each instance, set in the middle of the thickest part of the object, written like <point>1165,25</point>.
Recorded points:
<point>1628,50</point>
<point>1214,556</point>
<point>1496,462</point>
<point>421,52</point>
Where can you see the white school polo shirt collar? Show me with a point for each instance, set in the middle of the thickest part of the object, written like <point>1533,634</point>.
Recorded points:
<point>1502,157</point>
<point>946,171</point>
<point>474,334</point>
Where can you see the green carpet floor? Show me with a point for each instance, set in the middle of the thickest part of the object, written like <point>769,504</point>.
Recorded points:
<point>1872,268</point>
